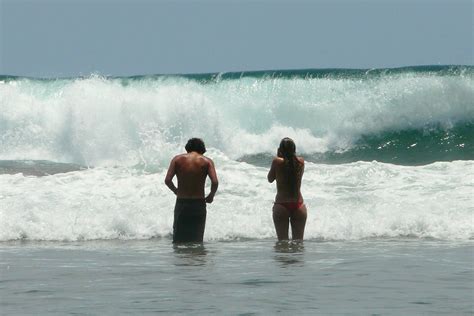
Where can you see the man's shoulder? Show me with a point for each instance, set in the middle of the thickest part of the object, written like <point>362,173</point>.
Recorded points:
<point>180,156</point>
<point>186,156</point>
<point>207,160</point>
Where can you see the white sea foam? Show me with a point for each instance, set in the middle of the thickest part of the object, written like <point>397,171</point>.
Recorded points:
<point>114,127</point>
<point>345,202</point>
<point>100,122</point>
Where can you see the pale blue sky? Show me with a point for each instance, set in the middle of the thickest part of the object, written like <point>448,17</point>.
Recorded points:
<point>50,38</point>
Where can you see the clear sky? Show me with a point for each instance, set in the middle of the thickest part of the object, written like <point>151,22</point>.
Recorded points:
<point>51,38</point>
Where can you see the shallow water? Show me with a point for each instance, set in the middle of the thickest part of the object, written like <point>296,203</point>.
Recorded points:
<point>388,185</point>
<point>399,276</point>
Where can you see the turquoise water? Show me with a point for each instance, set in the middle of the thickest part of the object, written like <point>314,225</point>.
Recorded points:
<point>408,116</point>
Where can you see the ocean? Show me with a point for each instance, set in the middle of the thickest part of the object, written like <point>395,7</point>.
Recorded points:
<point>86,220</point>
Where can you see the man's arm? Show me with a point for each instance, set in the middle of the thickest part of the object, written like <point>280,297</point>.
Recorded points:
<point>211,172</point>
<point>272,173</point>
<point>169,176</point>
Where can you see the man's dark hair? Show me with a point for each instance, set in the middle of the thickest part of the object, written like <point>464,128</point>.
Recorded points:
<point>195,144</point>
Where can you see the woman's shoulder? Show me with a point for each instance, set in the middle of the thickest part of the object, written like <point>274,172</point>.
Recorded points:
<point>277,159</point>
<point>277,162</point>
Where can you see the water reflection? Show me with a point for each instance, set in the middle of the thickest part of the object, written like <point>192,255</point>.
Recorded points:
<point>190,254</point>
<point>289,252</point>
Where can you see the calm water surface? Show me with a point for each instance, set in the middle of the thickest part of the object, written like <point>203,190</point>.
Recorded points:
<point>386,277</point>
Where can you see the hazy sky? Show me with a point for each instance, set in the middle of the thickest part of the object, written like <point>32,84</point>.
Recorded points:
<point>49,38</point>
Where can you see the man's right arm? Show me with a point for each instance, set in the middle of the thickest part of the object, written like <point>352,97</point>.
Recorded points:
<point>211,172</point>
<point>169,176</point>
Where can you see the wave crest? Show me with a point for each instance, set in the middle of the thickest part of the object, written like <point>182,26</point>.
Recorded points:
<point>145,120</point>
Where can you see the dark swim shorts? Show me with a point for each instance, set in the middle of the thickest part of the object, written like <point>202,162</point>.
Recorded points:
<point>189,220</point>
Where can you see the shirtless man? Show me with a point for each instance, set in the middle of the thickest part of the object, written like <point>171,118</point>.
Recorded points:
<point>287,169</point>
<point>191,170</point>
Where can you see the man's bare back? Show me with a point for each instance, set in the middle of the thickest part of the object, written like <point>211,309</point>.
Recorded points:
<point>191,169</point>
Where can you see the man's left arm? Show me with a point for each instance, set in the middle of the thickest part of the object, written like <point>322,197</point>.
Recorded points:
<point>169,176</point>
<point>211,172</point>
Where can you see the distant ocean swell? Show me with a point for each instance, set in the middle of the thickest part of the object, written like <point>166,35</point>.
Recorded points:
<point>389,152</point>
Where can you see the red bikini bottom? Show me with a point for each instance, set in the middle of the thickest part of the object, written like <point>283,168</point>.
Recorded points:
<point>291,205</point>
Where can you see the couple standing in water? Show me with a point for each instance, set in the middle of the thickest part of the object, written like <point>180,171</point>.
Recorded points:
<point>192,169</point>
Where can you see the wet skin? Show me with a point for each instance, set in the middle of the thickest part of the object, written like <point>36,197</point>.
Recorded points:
<point>191,169</point>
<point>282,217</point>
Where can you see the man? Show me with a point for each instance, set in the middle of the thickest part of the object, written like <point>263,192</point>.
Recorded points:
<point>191,170</point>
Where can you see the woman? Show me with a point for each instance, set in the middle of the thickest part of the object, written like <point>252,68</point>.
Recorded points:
<point>287,170</point>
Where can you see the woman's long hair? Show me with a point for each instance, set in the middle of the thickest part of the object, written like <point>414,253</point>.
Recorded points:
<point>287,151</point>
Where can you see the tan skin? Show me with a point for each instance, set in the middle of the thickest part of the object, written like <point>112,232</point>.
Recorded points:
<point>282,217</point>
<point>191,169</point>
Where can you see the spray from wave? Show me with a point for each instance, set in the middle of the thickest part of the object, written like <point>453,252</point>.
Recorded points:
<point>419,120</point>
<point>408,116</point>
<point>345,202</point>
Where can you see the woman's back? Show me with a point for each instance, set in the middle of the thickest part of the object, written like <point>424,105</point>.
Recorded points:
<point>287,169</point>
<point>288,178</point>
